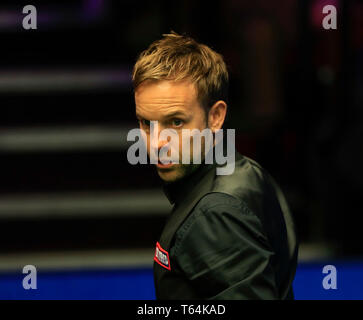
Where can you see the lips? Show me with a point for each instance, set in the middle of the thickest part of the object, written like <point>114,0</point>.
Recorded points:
<point>164,166</point>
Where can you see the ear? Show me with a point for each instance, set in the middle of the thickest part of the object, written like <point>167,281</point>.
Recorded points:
<point>216,115</point>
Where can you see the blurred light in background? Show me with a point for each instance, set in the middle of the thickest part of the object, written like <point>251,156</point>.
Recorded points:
<point>72,205</point>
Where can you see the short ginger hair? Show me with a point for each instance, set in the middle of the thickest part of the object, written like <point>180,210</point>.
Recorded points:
<point>178,57</point>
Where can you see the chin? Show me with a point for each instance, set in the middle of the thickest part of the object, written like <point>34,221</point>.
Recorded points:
<point>176,173</point>
<point>170,175</point>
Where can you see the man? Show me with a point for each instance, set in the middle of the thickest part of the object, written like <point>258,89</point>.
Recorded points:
<point>228,236</point>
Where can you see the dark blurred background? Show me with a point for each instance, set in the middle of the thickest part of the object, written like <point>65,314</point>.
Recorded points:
<point>67,104</point>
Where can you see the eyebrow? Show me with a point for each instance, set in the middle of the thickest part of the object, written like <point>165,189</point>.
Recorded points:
<point>168,115</point>
<point>175,114</point>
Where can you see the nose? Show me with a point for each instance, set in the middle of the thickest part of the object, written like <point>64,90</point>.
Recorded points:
<point>155,143</point>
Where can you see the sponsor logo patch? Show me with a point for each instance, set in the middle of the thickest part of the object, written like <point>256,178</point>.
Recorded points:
<point>162,256</point>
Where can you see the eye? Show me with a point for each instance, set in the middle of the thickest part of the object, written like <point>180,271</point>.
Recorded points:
<point>177,122</point>
<point>145,123</point>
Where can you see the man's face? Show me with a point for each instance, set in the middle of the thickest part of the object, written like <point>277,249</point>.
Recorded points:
<point>175,106</point>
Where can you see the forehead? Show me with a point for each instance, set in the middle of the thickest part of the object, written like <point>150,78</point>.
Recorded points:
<point>165,96</point>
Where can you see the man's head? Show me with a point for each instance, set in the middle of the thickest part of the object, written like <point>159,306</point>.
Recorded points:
<point>183,85</point>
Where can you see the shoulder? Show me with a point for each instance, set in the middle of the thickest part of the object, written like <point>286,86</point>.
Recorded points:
<point>219,220</point>
<point>247,174</point>
<point>217,199</point>
<point>217,205</point>
<point>250,183</point>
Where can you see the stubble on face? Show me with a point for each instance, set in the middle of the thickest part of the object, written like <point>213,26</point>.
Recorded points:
<point>178,172</point>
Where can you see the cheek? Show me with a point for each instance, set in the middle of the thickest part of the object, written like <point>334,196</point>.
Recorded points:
<point>201,121</point>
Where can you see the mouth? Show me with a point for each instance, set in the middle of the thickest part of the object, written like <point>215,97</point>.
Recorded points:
<point>164,166</point>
